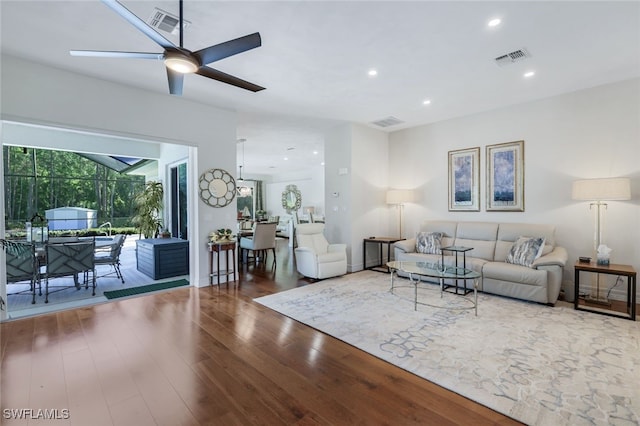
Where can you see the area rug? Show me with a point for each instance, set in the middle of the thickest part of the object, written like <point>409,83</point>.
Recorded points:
<point>144,289</point>
<point>538,364</point>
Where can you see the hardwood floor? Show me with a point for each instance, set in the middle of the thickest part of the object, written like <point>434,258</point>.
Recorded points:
<point>210,356</point>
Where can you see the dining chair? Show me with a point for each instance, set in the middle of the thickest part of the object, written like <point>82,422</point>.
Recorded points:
<point>263,239</point>
<point>22,266</point>
<point>111,257</point>
<point>70,259</point>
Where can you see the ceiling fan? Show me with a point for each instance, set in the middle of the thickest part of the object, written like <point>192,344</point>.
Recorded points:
<point>177,59</point>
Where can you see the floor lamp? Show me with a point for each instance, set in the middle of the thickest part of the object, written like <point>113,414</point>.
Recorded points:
<point>399,197</point>
<point>598,191</point>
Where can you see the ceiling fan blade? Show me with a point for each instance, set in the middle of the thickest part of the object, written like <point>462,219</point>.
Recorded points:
<point>229,79</point>
<point>115,54</point>
<point>176,80</point>
<point>228,48</point>
<point>139,23</point>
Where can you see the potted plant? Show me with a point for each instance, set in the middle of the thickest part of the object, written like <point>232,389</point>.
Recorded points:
<point>148,205</point>
<point>261,215</point>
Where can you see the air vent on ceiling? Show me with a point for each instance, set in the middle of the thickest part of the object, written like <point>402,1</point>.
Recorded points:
<point>166,21</point>
<point>386,122</point>
<point>511,57</point>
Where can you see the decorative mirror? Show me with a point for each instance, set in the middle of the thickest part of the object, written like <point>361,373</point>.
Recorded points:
<point>291,198</point>
<point>217,187</point>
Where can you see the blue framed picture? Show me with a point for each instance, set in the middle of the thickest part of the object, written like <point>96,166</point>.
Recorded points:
<point>505,177</point>
<point>464,180</point>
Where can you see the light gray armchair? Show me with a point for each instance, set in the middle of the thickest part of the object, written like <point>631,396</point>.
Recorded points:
<point>262,240</point>
<point>315,257</point>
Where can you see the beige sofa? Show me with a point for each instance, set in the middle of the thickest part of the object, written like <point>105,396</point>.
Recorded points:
<point>491,244</point>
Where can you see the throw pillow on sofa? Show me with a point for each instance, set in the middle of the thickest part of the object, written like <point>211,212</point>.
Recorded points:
<point>428,242</point>
<point>525,251</point>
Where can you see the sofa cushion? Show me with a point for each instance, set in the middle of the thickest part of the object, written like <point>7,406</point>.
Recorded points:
<point>448,229</point>
<point>481,249</point>
<point>428,242</point>
<point>487,231</point>
<point>479,235</point>
<point>525,250</point>
<point>514,273</point>
<point>508,233</point>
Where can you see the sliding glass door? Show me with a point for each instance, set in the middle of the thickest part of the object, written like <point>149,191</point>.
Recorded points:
<point>178,201</point>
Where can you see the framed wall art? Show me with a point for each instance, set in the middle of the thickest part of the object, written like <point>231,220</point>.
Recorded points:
<point>464,180</point>
<point>505,177</point>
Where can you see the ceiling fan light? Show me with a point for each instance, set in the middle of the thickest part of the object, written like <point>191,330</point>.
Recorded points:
<point>181,63</point>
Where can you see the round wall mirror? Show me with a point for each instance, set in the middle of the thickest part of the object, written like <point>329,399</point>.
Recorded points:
<point>217,187</point>
<point>291,198</point>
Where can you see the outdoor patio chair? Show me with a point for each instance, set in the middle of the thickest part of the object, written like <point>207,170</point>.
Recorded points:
<point>112,257</point>
<point>22,266</point>
<point>70,259</point>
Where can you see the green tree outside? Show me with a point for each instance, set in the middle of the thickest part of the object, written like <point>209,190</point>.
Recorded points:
<point>37,180</point>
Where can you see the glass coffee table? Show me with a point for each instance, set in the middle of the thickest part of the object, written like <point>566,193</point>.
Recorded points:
<point>418,270</point>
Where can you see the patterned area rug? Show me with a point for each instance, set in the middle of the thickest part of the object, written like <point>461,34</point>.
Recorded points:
<point>538,364</point>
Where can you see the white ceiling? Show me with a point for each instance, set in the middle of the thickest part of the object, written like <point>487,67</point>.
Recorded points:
<point>315,56</point>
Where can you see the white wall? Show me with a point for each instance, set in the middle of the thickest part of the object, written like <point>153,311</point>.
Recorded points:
<point>587,134</point>
<point>357,171</point>
<point>337,199</point>
<point>369,184</point>
<point>33,93</point>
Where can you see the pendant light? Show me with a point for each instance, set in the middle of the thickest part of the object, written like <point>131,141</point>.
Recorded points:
<point>242,141</point>
<point>243,191</point>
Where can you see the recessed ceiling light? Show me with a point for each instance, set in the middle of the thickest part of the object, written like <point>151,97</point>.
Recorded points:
<point>315,152</point>
<point>494,22</point>
<point>372,73</point>
<point>426,102</point>
<point>529,74</point>
<point>322,164</point>
<point>286,158</point>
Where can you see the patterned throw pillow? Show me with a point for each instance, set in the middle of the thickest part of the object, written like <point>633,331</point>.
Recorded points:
<point>525,251</point>
<point>428,242</point>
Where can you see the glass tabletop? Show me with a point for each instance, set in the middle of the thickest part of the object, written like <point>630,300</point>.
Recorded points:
<point>430,269</point>
<point>461,249</point>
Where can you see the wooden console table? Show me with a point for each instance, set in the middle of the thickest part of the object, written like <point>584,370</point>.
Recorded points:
<point>219,248</point>
<point>612,269</point>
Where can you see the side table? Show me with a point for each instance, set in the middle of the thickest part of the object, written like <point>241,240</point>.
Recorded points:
<point>380,241</point>
<point>219,248</point>
<point>457,250</point>
<point>612,269</point>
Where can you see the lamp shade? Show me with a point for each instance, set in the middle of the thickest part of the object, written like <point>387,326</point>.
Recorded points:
<point>607,189</point>
<point>399,196</point>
